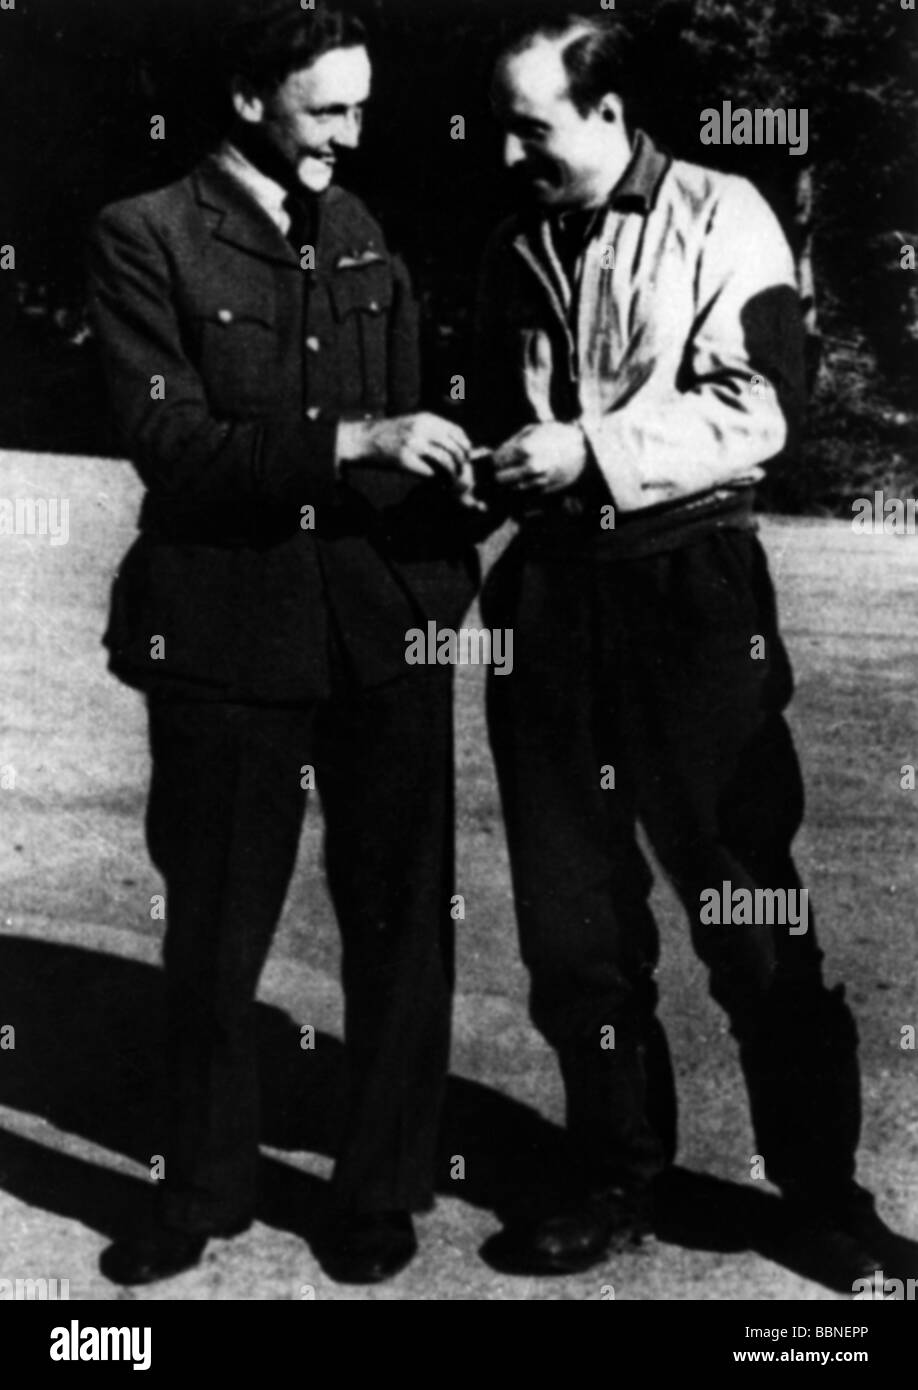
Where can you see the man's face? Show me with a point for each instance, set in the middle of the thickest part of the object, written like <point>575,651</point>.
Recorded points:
<point>318,112</point>
<point>556,156</point>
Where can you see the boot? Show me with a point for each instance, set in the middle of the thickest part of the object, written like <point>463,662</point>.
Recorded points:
<point>804,1086</point>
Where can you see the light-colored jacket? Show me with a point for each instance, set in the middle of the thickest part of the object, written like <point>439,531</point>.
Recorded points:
<point>681,353</point>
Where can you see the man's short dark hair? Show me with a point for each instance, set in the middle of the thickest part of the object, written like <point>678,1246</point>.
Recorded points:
<point>266,40</point>
<point>597,55</point>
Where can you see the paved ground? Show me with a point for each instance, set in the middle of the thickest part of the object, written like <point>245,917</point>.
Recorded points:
<point>78,953</point>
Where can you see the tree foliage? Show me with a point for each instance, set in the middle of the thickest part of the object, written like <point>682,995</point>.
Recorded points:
<point>81,79</point>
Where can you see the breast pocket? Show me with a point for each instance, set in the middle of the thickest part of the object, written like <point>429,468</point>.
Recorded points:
<point>362,302</point>
<point>237,347</point>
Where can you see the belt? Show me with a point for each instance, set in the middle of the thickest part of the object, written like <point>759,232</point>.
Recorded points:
<point>652,531</point>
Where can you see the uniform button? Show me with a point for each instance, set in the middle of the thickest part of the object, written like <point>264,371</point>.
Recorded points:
<point>314,412</point>
<point>313,344</point>
<point>374,306</point>
<point>225,315</point>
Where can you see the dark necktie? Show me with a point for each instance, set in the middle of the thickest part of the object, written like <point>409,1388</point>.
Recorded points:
<point>301,207</point>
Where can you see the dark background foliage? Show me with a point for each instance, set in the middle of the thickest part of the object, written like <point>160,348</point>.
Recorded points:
<point>81,79</point>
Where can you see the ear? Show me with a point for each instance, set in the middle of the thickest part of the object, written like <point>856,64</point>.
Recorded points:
<point>247,104</point>
<point>612,110</point>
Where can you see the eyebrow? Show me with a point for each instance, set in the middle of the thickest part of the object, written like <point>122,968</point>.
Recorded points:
<point>529,122</point>
<point>337,108</point>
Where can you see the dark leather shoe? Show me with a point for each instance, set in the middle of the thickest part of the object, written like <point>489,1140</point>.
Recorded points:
<point>842,1225</point>
<point>606,1223</point>
<point>368,1247</point>
<point>159,1254</point>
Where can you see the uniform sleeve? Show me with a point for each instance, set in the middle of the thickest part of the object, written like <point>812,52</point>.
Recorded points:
<point>739,399</point>
<point>181,450</point>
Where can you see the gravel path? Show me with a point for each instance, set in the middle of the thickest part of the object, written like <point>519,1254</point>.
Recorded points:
<point>79,951</point>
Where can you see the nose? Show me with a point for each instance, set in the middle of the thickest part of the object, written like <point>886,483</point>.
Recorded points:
<point>513,151</point>
<point>349,131</point>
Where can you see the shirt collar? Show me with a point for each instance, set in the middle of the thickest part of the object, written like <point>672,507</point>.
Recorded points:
<point>267,192</point>
<point>639,185</point>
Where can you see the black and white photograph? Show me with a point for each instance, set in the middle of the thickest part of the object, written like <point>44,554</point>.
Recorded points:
<point>458,714</point>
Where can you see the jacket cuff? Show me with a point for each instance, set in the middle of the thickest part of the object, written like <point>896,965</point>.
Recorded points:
<point>623,477</point>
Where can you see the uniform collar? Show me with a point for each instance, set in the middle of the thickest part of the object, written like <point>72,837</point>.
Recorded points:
<point>267,192</point>
<point>237,215</point>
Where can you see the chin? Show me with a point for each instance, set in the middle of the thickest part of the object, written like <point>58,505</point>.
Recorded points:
<point>549,198</point>
<point>553,194</point>
<point>543,195</point>
<point>315,175</point>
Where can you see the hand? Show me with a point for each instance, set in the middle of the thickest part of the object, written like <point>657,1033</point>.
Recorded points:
<point>465,488</point>
<point>422,444</point>
<point>541,459</point>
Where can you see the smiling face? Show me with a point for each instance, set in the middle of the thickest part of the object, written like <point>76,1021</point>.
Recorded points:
<point>315,114</point>
<point>557,155</point>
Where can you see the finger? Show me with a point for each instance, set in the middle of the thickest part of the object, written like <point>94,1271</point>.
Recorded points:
<point>509,461</point>
<point>518,478</point>
<point>535,484</point>
<point>552,485</point>
<point>445,444</point>
<point>441,458</point>
<point>413,463</point>
<point>465,479</point>
<point>433,429</point>
<point>514,442</point>
<point>455,437</point>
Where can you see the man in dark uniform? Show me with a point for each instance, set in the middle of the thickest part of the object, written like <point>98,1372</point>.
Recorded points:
<point>261,347</point>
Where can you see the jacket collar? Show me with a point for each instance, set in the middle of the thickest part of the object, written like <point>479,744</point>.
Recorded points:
<point>639,186</point>
<point>636,191</point>
<point>345,231</point>
<point>235,215</point>
<point>270,195</point>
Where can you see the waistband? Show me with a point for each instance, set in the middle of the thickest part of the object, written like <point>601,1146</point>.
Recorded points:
<point>653,531</point>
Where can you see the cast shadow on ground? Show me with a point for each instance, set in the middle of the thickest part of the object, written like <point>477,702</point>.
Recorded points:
<point>87,1058</point>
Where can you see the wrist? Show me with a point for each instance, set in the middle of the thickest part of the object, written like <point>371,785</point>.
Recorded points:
<point>352,442</point>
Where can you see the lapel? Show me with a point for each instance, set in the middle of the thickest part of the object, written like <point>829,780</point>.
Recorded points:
<point>234,217</point>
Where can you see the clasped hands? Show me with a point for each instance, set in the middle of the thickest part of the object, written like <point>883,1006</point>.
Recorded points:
<point>537,461</point>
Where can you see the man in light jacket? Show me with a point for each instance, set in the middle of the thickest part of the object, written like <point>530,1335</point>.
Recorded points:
<point>639,366</point>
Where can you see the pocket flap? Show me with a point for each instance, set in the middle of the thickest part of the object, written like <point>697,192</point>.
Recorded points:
<point>367,290</point>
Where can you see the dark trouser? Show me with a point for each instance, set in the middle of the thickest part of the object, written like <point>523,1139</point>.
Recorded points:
<point>225,814</point>
<point>649,667</point>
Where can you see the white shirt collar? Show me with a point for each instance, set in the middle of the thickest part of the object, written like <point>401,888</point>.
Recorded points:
<point>267,192</point>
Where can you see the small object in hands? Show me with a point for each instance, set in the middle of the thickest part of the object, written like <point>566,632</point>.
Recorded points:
<point>485,477</point>
<point>487,492</point>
